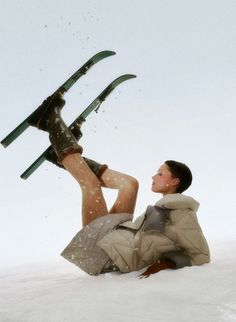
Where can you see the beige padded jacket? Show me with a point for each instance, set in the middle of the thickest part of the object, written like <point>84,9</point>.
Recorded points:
<point>132,246</point>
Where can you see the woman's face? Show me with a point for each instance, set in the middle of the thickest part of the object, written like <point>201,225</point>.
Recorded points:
<point>163,182</point>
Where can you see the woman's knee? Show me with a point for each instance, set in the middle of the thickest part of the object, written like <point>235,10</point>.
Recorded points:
<point>131,183</point>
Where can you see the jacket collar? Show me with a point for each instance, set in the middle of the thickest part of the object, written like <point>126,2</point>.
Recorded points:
<point>178,201</point>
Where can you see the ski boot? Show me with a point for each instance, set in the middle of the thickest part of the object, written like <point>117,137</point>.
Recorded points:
<point>48,118</point>
<point>94,166</point>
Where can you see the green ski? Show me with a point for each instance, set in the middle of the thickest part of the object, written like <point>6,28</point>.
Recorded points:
<point>94,106</point>
<point>63,88</point>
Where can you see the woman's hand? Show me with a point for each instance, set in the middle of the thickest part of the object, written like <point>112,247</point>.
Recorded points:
<point>157,267</point>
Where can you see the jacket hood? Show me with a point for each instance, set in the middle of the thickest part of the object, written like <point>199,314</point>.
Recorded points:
<point>178,201</point>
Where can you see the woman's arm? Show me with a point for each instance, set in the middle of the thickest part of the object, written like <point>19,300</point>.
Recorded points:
<point>173,260</point>
<point>157,267</point>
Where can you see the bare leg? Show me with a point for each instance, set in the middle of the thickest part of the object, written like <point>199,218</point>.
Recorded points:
<point>127,190</point>
<point>93,202</point>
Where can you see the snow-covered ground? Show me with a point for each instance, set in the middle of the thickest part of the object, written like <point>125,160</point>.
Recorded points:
<point>60,292</point>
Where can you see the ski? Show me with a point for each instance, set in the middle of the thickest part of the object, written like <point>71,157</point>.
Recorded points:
<point>63,88</point>
<point>94,106</point>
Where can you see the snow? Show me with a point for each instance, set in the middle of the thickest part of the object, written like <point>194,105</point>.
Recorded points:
<point>60,292</point>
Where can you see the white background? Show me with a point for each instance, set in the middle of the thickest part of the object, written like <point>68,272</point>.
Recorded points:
<point>181,106</point>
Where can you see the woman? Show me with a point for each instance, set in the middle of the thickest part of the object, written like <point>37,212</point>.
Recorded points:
<point>167,235</point>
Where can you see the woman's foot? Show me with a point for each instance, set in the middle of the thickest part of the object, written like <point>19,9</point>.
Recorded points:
<point>47,112</point>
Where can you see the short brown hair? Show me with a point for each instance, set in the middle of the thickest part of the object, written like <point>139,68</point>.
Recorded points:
<point>181,171</point>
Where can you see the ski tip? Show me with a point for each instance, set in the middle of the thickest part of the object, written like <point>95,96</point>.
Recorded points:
<point>101,55</point>
<point>126,77</point>
<point>3,144</point>
<point>108,52</point>
<point>132,75</point>
<point>23,177</point>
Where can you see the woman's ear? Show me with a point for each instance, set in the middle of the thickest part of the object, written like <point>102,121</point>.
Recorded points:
<point>176,181</point>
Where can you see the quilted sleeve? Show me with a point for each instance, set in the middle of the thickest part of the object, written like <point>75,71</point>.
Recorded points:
<point>179,258</point>
<point>189,237</point>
